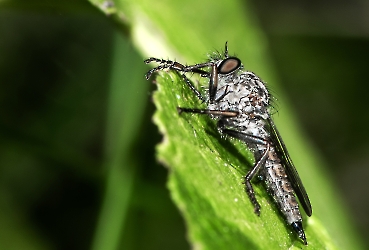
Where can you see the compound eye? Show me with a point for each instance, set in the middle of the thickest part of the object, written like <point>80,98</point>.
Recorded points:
<point>229,65</point>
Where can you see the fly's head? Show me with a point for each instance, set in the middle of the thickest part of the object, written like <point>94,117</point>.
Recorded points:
<point>225,65</point>
<point>223,71</point>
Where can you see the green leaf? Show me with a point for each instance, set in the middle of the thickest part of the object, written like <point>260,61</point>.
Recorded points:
<point>206,170</point>
<point>206,180</point>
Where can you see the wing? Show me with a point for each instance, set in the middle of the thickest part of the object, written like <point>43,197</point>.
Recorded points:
<point>293,176</point>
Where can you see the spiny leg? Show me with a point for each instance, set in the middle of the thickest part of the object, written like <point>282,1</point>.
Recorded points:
<point>213,83</point>
<point>168,64</point>
<point>223,113</point>
<point>254,171</point>
<point>193,89</point>
<point>163,64</point>
<point>243,137</point>
<point>250,175</point>
<point>196,67</point>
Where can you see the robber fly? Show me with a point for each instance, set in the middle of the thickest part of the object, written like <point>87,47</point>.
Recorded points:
<point>240,102</point>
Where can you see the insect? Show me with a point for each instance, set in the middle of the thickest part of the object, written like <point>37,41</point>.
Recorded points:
<point>240,102</point>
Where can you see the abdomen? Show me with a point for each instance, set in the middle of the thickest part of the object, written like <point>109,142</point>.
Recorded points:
<point>280,188</point>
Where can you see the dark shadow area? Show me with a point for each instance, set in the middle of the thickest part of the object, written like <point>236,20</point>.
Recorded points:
<point>54,73</point>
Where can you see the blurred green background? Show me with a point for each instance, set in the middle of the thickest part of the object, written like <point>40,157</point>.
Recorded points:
<point>76,114</point>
